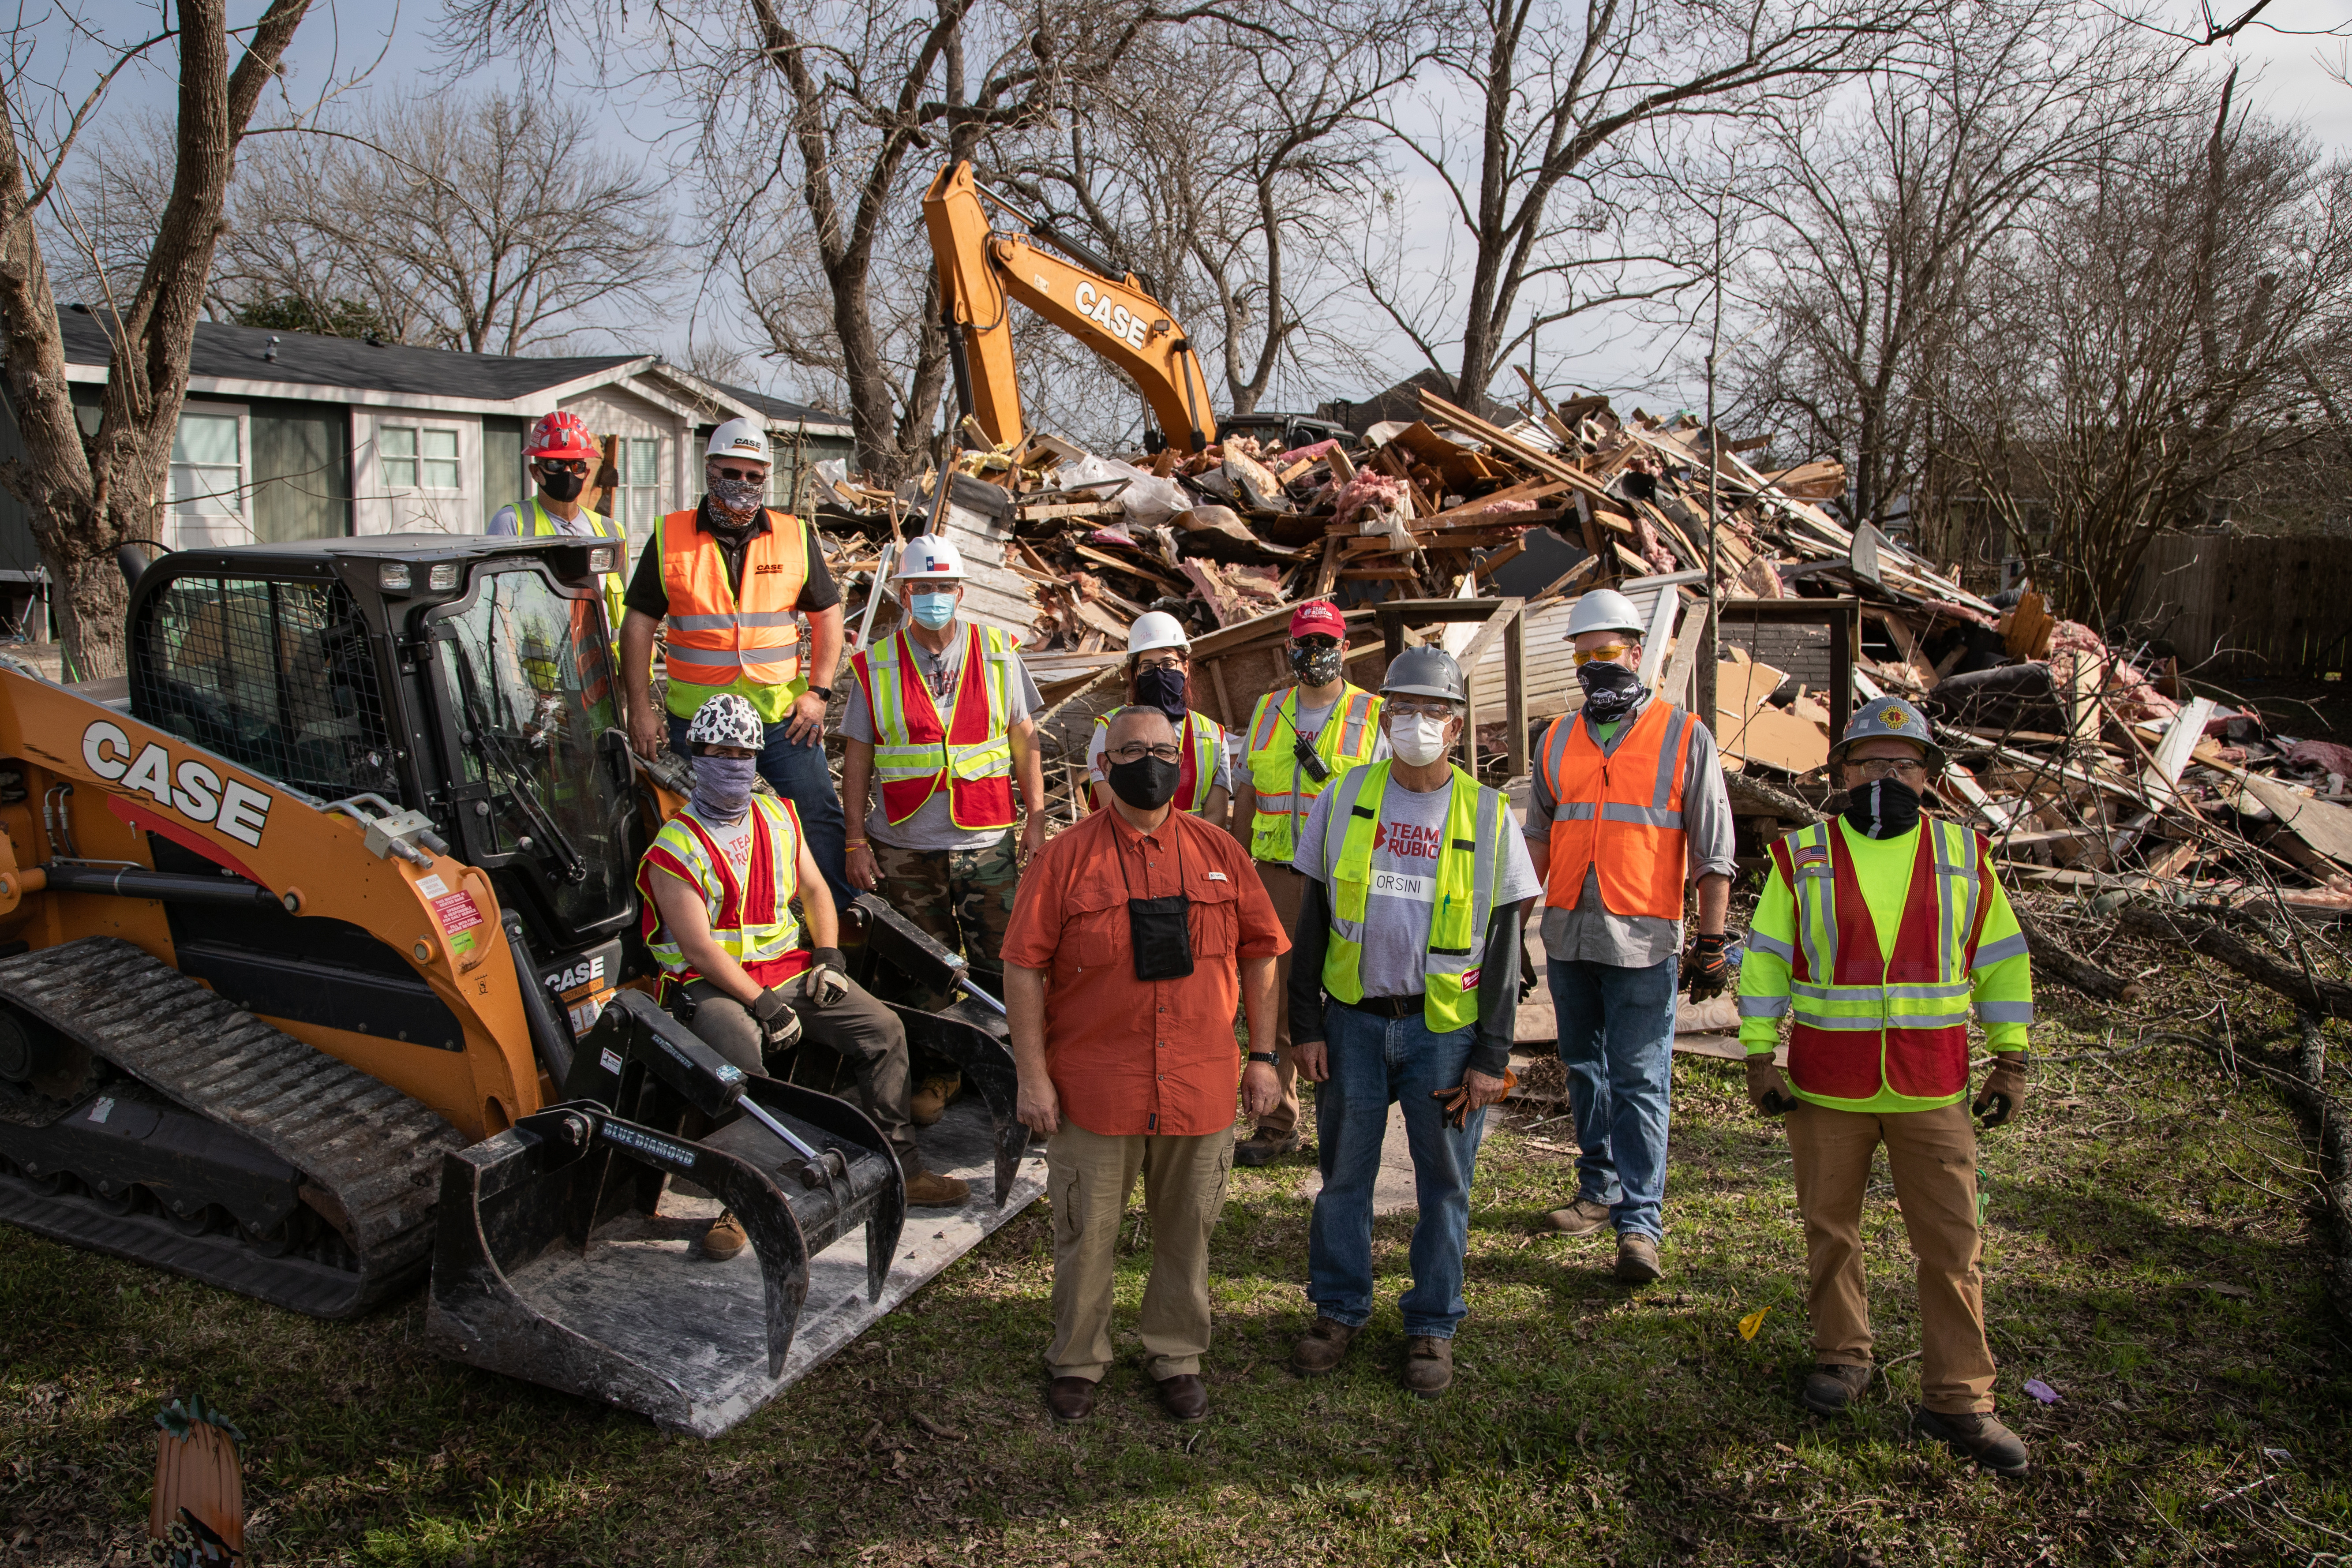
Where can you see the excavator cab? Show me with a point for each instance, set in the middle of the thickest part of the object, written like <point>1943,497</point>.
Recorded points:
<point>320,958</point>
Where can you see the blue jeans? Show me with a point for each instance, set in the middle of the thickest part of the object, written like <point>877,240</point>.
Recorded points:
<point>799,774</point>
<point>1375,1061</point>
<point>1617,1042</point>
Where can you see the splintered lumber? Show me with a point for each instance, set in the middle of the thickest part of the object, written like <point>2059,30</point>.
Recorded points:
<point>1502,440</point>
<point>2180,737</point>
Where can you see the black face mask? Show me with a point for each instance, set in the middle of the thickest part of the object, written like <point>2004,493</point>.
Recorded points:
<point>562,487</point>
<point>1315,666</point>
<point>1883,808</point>
<point>1146,783</point>
<point>1609,689</point>
<point>1162,688</point>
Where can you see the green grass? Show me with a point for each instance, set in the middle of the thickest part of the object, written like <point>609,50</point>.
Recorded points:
<point>2135,1261</point>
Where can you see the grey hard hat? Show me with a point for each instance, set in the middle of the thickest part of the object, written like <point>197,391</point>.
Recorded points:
<point>1425,672</point>
<point>1885,718</point>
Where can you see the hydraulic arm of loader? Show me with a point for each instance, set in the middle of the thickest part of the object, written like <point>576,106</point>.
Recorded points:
<point>983,270</point>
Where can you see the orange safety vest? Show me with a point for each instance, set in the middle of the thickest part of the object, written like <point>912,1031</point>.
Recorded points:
<point>1622,812</point>
<point>1909,1013</point>
<point>713,639</point>
<point>916,756</point>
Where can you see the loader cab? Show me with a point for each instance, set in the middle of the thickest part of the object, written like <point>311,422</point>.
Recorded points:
<point>469,678</point>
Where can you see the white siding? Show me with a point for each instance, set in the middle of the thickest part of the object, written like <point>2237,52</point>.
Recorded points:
<point>616,411</point>
<point>381,503</point>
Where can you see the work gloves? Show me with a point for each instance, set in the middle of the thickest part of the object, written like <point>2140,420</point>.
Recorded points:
<point>1707,971</point>
<point>779,1026</point>
<point>2003,1095</point>
<point>827,980</point>
<point>1767,1092</point>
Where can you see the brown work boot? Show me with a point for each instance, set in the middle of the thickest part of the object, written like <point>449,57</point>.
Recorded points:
<point>1637,1258</point>
<point>929,1190</point>
<point>1428,1365</point>
<point>725,1237</point>
<point>1977,1437</point>
<point>1830,1387</point>
<point>1071,1398</point>
<point>932,1097</point>
<point>1184,1397</point>
<point>1322,1348</point>
<point>1265,1146</point>
<point>1581,1217</point>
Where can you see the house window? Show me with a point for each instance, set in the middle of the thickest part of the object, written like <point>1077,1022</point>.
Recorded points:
<point>207,466</point>
<point>640,484</point>
<point>414,456</point>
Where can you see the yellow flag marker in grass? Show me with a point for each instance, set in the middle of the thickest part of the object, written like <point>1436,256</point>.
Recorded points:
<point>1754,1320</point>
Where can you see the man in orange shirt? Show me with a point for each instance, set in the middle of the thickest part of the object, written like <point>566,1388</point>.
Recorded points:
<point>1134,935</point>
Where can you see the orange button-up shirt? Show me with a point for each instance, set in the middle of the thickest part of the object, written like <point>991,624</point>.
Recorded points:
<point>1128,1056</point>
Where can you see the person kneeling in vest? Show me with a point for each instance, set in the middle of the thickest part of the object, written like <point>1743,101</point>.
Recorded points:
<point>1875,932</point>
<point>1416,882</point>
<point>718,886</point>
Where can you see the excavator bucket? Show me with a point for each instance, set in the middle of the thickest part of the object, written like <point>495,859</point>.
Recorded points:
<point>559,1261</point>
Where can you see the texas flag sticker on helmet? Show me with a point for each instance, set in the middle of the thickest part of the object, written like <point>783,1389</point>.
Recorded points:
<point>928,556</point>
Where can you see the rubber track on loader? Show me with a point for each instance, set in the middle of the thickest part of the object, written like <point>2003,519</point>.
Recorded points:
<point>367,1148</point>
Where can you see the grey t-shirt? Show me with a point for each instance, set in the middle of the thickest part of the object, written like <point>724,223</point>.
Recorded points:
<point>1405,844</point>
<point>1587,932</point>
<point>932,829</point>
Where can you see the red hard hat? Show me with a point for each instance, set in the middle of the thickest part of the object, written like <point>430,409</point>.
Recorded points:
<point>561,435</point>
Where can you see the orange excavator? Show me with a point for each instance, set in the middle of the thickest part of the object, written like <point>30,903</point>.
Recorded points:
<point>984,269</point>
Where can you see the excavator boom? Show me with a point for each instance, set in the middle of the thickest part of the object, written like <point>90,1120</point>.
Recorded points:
<point>983,270</point>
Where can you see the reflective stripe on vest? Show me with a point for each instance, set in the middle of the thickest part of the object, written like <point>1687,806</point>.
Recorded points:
<point>1620,810</point>
<point>753,920</point>
<point>542,526</point>
<point>1205,736</point>
<point>915,756</point>
<point>1862,1022</point>
<point>1469,860</point>
<point>1347,740</point>
<point>713,639</point>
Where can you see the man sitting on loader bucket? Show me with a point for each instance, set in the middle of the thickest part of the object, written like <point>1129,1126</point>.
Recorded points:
<point>718,884</point>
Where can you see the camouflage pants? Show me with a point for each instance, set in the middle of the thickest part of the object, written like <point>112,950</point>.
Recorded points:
<point>962,898</point>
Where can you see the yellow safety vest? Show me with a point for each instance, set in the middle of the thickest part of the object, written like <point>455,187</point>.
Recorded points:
<point>1348,740</point>
<point>751,919</point>
<point>543,525</point>
<point>1469,865</point>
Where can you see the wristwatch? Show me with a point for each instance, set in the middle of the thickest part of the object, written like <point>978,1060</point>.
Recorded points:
<point>1268,1057</point>
<point>826,692</point>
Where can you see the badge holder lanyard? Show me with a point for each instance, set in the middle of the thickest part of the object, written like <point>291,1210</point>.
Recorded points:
<point>1160,930</point>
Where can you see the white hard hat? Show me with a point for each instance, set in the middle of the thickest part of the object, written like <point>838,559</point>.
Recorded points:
<point>928,555</point>
<point>1605,610</point>
<point>739,438</point>
<point>1155,628</point>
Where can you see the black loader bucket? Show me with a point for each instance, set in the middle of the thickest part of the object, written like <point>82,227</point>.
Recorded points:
<point>556,1262</point>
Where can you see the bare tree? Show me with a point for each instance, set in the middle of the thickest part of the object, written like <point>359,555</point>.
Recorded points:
<point>1531,126</point>
<point>1873,222</point>
<point>86,495</point>
<point>2148,347</point>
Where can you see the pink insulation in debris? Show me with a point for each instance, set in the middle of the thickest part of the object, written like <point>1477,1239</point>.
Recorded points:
<point>1366,490</point>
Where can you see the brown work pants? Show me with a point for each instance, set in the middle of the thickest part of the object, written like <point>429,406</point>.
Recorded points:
<point>855,1026</point>
<point>1288,888</point>
<point>1932,1155</point>
<point>1087,1178</point>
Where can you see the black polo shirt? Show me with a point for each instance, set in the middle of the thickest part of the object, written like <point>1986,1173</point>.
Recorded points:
<point>647,596</point>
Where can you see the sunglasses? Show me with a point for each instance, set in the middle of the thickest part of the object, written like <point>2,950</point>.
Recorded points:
<point>562,466</point>
<point>741,475</point>
<point>1316,643</point>
<point>1608,654</point>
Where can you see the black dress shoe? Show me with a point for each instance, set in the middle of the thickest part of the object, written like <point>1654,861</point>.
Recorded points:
<point>1071,1398</point>
<point>1185,1395</point>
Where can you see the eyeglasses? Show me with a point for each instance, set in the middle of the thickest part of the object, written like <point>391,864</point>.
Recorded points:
<point>1173,661</point>
<point>562,466</point>
<point>1888,767</point>
<point>741,475</point>
<point>1136,751</point>
<point>1608,654</point>
<point>1399,709</point>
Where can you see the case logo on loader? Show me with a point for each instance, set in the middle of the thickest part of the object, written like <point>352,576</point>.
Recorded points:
<point>193,790</point>
<point>1114,319</point>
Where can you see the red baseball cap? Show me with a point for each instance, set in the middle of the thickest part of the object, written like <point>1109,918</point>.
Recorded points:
<point>1317,616</point>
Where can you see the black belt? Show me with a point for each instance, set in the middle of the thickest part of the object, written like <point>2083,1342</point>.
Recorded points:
<point>1389,1007</point>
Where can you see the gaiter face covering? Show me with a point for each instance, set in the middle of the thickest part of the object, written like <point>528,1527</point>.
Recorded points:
<point>1162,688</point>
<point>722,786</point>
<point>1146,783</point>
<point>1609,691</point>
<point>1882,808</point>
<point>738,500</point>
<point>562,487</point>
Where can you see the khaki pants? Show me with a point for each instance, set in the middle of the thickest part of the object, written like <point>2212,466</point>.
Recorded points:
<point>1088,1177</point>
<point>1932,1155</point>
<point>1288,888</point>
<point>855,1026</point>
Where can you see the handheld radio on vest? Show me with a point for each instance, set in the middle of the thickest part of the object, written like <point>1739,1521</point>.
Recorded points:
<point>1302,749</point>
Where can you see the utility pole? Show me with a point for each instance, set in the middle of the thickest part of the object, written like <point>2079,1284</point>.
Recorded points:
<point>1703,696</point>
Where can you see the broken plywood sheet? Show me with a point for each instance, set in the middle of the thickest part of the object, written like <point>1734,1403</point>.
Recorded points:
<point>2324,826</point>
<point>1747,727</point>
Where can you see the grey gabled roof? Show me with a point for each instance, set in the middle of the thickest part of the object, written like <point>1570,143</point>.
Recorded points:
<point>777,409</point>
<point>236,354</point>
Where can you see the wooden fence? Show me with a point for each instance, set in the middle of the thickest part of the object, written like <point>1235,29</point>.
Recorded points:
<point>2230,604</point>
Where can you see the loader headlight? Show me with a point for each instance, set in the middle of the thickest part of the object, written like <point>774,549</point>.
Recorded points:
<point>392,576</point>
<point>603,558</point>
<point>443,579</point>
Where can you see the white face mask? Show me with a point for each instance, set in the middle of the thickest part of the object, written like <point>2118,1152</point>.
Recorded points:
<point>1418,740</point>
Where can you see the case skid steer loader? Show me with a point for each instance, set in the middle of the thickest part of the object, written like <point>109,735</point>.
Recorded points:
<point>321,965</point>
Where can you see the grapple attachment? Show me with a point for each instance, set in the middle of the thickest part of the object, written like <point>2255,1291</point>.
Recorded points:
<point>553,1265</point>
